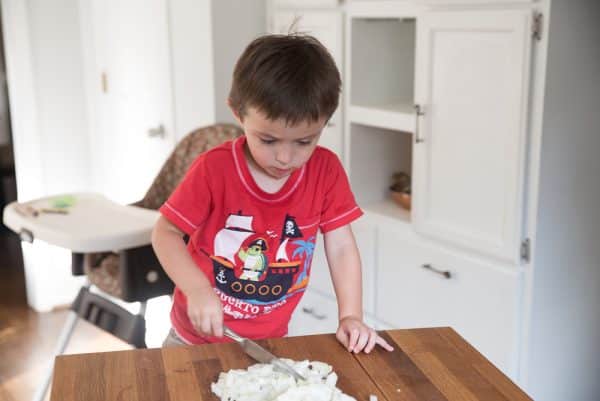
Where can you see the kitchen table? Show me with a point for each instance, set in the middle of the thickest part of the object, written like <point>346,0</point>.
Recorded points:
<point>427,364</point>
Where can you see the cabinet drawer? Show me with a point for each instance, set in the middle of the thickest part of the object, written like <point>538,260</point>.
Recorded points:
<point>315,314</point>
<point>479,300</point>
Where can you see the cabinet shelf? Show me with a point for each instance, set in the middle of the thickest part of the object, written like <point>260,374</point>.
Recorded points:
<point>400,117</point>
<point>381,63</point>
<point>389,210</point>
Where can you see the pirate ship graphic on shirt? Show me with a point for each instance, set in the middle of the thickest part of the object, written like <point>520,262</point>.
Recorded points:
<point>243,264</point>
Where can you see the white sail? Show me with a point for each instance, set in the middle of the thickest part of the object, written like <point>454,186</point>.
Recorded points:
<point>281,252</point>
<point>239,221</point>
<point>229,240</point>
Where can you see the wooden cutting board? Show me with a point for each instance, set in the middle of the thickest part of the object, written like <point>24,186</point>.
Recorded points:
<point>431,364</point>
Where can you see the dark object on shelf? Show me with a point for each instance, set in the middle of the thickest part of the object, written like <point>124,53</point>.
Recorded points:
<point>401,190</point>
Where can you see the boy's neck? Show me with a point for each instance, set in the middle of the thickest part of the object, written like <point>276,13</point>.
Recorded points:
<point>264,181</point>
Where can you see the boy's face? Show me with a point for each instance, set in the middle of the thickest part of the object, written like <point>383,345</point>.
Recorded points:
<point>276,148</point>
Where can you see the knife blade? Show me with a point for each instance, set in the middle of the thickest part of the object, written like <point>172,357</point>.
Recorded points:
<point>260,354</point>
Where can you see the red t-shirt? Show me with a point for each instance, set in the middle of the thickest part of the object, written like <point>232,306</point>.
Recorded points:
<point>255,247</point>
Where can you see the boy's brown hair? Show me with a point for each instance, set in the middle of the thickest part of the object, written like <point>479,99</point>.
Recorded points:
<point>286,76</point>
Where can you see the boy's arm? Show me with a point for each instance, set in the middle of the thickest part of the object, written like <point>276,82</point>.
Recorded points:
<point>344,265</point>
<point>204,308</point>
<point>345,268</point>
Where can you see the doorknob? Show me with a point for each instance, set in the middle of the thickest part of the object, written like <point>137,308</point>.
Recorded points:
<point>157,132</point>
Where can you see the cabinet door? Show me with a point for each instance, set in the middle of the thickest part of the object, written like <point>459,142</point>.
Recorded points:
<point>479,300</point>
<point>326,26</point>
<point>469,154</point>
<point>315,314</point>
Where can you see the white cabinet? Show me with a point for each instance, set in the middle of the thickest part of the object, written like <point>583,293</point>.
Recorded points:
<point>379,97</point>
<point>326,26</point>
<point>454,259</point>
<point>422,285</point>
<point>469,156</point>
<point>315,314</point>
<point>501,155</point>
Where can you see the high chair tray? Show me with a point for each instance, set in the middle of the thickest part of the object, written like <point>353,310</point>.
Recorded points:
<point>88,222</point>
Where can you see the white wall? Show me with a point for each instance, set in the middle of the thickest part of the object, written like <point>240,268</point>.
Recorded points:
<point>192,62</point>
<point>45,72</point>
<point>236,24</point>
<point>207,37</point>
<point>564,340</point>
<point>58,71</point>
<point>45,81</point>
<point>4,115</point>
<point>43,57</point>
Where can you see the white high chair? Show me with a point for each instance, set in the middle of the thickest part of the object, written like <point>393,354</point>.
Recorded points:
<point>110,243</point>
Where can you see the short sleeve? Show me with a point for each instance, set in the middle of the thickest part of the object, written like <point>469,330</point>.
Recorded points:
<point>190,203</point>
<point>339,207</point>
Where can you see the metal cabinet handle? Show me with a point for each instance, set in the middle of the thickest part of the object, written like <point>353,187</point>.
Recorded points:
<point>316,315</point>
<point>444,273</point>
<point>420,112</point>
<point>159,132</point>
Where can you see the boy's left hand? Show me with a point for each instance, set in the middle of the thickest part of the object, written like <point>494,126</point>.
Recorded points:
<point>357,336</point>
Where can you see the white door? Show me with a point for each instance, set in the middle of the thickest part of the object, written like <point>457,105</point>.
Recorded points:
<point>326,26</point>
<point>129,80</point>
<point>469,154</point>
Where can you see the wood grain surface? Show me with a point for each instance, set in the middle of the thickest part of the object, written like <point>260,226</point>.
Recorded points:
<point>426,365</point>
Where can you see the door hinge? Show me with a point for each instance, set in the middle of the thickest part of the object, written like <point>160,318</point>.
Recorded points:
<point>526,250</point>
<point>536,26</point>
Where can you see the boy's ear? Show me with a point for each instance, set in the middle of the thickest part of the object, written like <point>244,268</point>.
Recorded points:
<point>235,113</point>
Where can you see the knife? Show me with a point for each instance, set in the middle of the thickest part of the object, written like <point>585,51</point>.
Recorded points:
<point>260,354</point>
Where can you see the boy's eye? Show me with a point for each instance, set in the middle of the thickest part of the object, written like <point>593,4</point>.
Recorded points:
<point>305,143</point>
<point>267,141</point>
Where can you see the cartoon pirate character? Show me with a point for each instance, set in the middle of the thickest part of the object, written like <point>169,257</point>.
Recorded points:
<point>255,261</point>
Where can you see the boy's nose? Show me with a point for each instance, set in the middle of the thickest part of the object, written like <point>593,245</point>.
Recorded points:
<point>284,155</point>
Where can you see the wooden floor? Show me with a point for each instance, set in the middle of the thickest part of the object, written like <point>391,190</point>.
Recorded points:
<point>27,338</point>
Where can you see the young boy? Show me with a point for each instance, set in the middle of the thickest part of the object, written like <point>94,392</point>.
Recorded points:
<point>251,207</point>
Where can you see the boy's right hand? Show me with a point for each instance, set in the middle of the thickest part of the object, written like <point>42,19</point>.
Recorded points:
<point>205,312</point>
